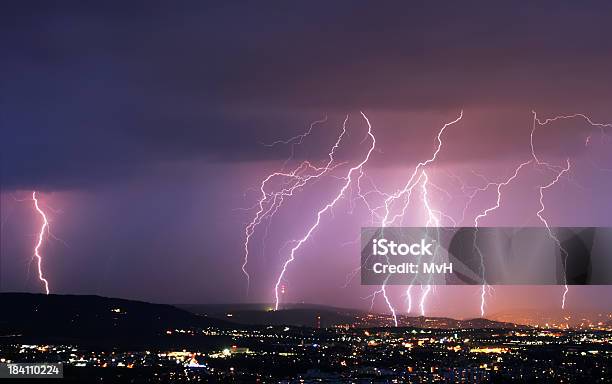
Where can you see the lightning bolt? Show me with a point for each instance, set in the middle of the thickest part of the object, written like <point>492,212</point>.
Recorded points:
<point>560,172</point>
<point>269,202</point>
<point>406,192</point>
<point>44,228</point>
<point>297,139</point>
<point>424,294</point>
<point>409,298</point>
<point>347,182</point>
<point>484,214</point>
<point>545,222</point>
<point>601,126</point>
<point>431,220</point>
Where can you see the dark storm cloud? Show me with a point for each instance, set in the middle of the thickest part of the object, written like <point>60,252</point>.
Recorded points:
<point>99,90</point>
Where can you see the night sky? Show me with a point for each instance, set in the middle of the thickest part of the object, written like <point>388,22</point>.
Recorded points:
<point>142,125</point>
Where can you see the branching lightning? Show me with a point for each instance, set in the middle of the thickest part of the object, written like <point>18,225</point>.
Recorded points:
<point>391,208</point>
<point>560,171</point>
<point>270,202</point>
<point>545,222</point>
<point>484,214</point>
<point>406,192</point>
<point>348,179</point>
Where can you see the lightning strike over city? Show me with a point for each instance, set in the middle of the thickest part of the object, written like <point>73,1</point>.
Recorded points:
<point>384,210</point>
<point>400,193</point>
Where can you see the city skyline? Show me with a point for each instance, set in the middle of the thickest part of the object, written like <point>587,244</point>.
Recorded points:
<point>147,142</point>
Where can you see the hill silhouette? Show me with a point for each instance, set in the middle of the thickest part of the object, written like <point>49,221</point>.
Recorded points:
<point>311,315</point>
<point>97,321</point>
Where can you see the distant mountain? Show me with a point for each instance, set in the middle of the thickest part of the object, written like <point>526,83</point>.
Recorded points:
<point>95,320</point>
<point>554,317</point>
<point>223,308</point>
<point>300,315</point>
<point>449,323</point>
<point>311,315</point>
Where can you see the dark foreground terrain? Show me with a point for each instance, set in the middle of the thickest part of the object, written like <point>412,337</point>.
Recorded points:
<point>106,340</point>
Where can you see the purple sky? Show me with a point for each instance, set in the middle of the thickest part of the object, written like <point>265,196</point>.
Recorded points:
<point>141,125</point>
